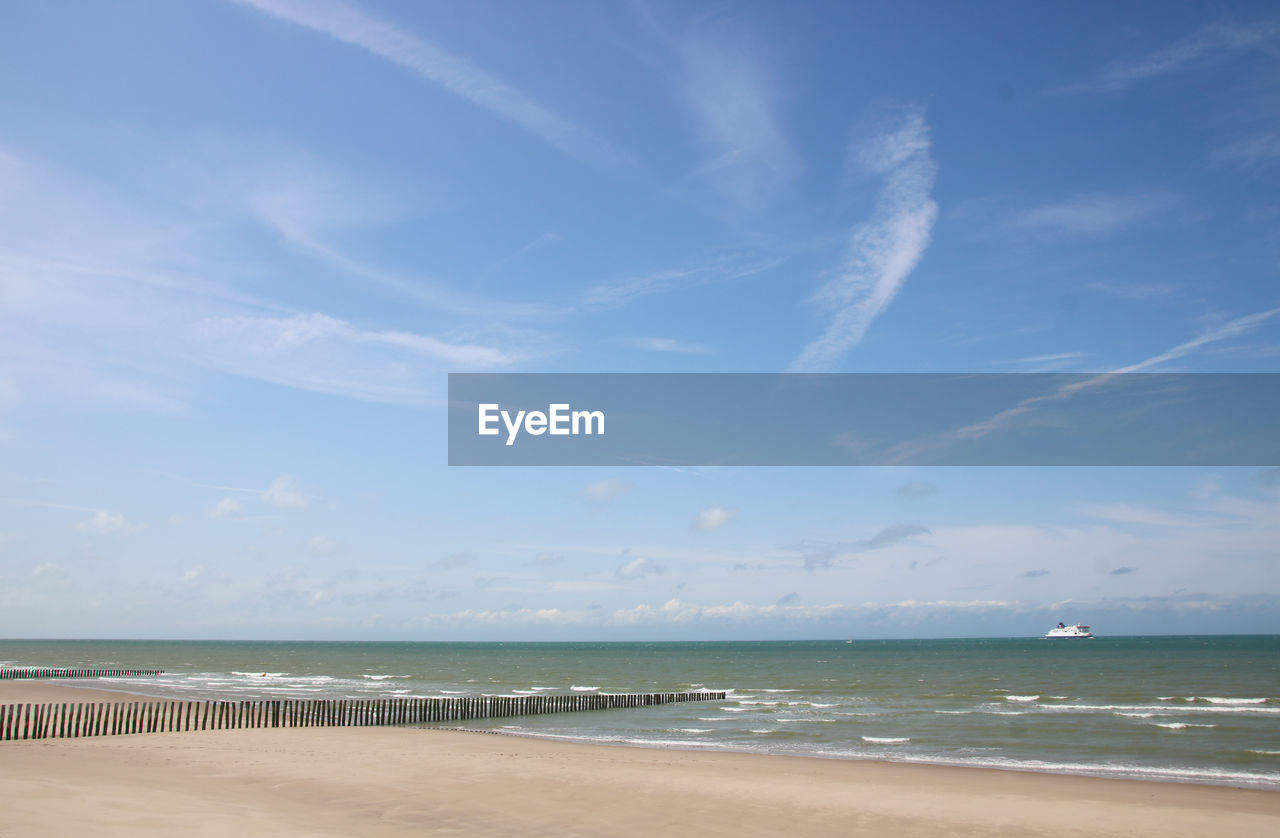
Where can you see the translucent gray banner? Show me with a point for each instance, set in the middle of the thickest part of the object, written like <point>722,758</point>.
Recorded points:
<point>715,419</point>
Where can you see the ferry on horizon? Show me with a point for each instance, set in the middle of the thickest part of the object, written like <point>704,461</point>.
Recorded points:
<point>1062,630</point>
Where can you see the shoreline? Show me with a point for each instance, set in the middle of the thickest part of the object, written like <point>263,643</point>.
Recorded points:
<point>37,691</point>
<point>400,781</point>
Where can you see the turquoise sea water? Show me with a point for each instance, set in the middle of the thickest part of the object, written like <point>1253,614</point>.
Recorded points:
<point>1197,709</point>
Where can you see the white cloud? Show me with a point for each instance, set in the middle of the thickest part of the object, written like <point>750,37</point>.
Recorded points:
<point>1257,149</point>
<point>193,573</point>
<point>670,345</point>
<point>724,268</point>
<point>451,72</point>
<point>324,354</point>
<point>1213,41</point>
<point>608,489</point>
<point>105,522</point>
<point>1231,329</point>
<point>1124,513</point>
<point>1092,213</point>
<point>883,251</point>
<point>282,494</point>
<point>321,544</point>
<point>712,518</point>
<point>734,108</point>
<point>225,508</point>
<point>639,568</point>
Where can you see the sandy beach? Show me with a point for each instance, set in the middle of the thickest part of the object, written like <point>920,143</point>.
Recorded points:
<point>388,781</point>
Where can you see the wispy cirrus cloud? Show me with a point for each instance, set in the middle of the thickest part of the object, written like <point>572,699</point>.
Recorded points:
<point>1225,331</point>
<point>452,72</point>
<point>1092,213</point>
<point>1047,363</point>
<point>327,355</point>
<point>734,104</point>
<point>679,347</point>
<point>1210,43</point>
<point>1256,150</point>
<point>724,268</point>
<point>884,250</point>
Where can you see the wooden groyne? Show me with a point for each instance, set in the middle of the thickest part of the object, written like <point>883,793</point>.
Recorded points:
<point>35,672</point>
<point>57,721</point>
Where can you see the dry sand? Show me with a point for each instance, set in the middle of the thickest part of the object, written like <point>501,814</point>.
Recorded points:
<point>389,781</point>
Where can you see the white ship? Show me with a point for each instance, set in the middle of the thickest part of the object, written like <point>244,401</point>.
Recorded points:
<point>1062,630</point>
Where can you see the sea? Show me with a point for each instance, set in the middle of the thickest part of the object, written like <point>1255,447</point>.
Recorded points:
<point>1202,709</point>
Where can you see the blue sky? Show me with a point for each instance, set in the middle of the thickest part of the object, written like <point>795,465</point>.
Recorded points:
<point>243,243</point>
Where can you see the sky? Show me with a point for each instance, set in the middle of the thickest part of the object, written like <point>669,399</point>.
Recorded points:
<point>243,243</point>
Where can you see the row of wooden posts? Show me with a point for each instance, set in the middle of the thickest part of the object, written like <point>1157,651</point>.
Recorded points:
<point>48,721</point>
<point>35,672</point>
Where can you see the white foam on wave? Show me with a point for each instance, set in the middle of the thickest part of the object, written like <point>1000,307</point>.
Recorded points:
<point>1022,698</point>
<point>578,689</point>
<point>1161,708</point>
<point>1264,752</point>
<point>384,677</point>
<point>1140,715</point>
<point>261,674</point>
<point>812,721</point>
<point>956,712</point>
<point>886,740</point>
<point>1213,700</point>
<point>1178,725</point>
<point>734,709</point>
<point>696,730</point>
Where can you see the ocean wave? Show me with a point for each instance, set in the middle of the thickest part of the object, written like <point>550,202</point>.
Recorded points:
<point>1022,698</point>
<point>886,740</point>
<point>1264,752</point>
<point>1178,725</point>
<point>1160,708</point>
<point>1140,715</point>
<point>384,677</point>
<point>262,674</point>
<point>734,709</point>
<point>578,689</point>
<point>1213,700</point>
<point>696,729</point>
